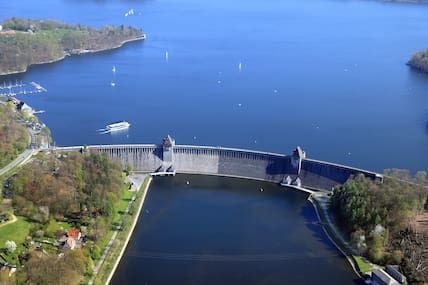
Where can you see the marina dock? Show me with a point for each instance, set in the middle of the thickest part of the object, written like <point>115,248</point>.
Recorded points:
<point>19,88</point>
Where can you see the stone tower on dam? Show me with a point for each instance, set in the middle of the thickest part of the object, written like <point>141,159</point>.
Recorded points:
<point>169,158</point>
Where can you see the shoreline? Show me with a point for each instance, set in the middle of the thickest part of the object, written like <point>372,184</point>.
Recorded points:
<point>324,224</point>
<point>131,229</point>
<point>80,52</point>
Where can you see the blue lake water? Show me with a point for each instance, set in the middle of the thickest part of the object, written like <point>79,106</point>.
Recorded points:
<point>329,76</point>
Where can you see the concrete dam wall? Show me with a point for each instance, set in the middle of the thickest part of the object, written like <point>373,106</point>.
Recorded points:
<point>232,162</point>
<point>169,159</point>
<point>321,175</point>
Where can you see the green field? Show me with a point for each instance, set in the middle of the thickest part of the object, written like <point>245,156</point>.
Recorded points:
<point>16,231</point>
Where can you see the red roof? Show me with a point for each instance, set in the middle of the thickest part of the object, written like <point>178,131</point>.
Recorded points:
<point>13,99</point>
<point>73,233</point>
<point>8,32</point>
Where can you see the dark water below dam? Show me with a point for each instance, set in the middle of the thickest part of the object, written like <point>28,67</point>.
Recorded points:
<point>226,231</point>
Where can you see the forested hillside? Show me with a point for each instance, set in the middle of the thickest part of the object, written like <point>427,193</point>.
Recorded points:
<point>13,137</point>
<point>380,220</point>
<point>24,42</point>
<point>51,195</point>
<point>67,186</point>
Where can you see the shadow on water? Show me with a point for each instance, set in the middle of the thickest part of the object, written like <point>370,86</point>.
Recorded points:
<point>312,223</point>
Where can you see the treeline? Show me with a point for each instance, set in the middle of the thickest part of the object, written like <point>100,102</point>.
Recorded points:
<point>14,138</point>
<point>419,60</point>
<point>40,41</point>
<point>77,188</point>
<point>45,268</point>
<point>67,186</point>
<point>378,218</point>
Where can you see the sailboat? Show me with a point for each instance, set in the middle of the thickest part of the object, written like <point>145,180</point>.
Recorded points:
<point>114,69</point>
<point>166,55</point>
<point>240,66</point>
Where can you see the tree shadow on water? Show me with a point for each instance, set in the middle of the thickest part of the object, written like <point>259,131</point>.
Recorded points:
<point>317,230</point>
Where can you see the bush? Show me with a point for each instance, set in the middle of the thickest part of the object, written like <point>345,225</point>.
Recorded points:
<point>96,253</point>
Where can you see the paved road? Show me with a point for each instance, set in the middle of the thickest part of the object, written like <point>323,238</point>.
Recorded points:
<point>21,159</point>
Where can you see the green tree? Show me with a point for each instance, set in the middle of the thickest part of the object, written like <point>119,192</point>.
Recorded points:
<point>10,246</point>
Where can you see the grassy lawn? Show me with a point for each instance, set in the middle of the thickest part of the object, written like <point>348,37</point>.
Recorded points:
<point>55,226</point>
<point>122,204</point>
<point>104,242</point>
<point>363,266</point>
<point>120,240</point>
<point>16,231</point>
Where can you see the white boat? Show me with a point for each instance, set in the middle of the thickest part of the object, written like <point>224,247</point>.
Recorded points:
<point>166,56</point>
<point>113,84</point>
<point>113,69</point>
<point>117,126</point>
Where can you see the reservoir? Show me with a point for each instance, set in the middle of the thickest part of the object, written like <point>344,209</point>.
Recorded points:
<point>327,75</point>
<point>226,231</point>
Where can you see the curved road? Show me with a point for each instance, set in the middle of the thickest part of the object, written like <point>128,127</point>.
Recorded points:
<point>20,160</point>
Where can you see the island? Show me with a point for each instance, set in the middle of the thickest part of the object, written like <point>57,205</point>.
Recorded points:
<point>419,60</point>
<point>24,42</point>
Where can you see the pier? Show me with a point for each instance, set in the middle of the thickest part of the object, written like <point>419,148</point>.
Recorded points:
<point>18,88</point>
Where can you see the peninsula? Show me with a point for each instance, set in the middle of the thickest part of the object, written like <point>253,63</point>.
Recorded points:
<point>419,60</point>
<point>24,42</point>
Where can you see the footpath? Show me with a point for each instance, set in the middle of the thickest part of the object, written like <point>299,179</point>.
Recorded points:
<point>137,180</point>
<point>322,201</point>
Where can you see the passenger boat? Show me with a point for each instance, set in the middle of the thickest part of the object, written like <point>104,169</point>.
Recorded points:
<point>117,126</point>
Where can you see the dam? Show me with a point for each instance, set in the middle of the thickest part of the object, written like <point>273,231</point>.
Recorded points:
<point>168,158</point>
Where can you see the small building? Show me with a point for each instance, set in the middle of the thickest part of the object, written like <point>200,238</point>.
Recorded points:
<point>286,181</point>
<point>380,277</point>
<point>74,233</point>
<point>297,182</point>
<point>14,100</point>
<point>296,159</point>
<point>393,271</point>
<point>168,151</point>
<point>71,241</point>
<point>69,244</point>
